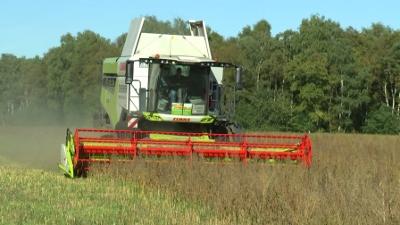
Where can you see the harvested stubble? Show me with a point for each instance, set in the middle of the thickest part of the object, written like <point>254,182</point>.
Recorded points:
<point>39,197</point>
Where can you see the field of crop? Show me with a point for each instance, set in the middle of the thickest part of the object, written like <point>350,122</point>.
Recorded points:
<point>355,179</point>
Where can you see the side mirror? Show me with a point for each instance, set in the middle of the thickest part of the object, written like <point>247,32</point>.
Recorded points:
<point>129,72</point>
<point>238,78</point>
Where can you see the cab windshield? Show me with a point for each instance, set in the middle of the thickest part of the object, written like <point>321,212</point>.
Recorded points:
<point>178,89</point>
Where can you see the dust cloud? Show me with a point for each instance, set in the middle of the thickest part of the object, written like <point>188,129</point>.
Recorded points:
<point>34,143</point>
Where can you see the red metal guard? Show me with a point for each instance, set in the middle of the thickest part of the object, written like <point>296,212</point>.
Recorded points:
<point>96,145</point>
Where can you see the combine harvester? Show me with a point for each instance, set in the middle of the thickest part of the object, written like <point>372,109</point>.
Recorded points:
<point>164,97</point>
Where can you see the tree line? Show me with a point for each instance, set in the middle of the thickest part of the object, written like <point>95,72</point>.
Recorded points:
<point>321,77</point>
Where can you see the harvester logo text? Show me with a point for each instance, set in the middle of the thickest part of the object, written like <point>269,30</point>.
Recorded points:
<point>183,120</point>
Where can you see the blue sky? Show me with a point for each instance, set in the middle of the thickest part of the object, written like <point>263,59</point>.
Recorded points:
<point>29,28</point>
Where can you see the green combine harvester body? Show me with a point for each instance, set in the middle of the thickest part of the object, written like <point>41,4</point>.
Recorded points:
<point>141,88</point>
<point>165,96</point>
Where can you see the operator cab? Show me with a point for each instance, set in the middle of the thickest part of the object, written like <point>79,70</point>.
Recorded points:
<point>179,89</point>
<point>188,92</point>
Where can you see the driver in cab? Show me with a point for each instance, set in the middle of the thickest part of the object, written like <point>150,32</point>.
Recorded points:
<point>177,83</point>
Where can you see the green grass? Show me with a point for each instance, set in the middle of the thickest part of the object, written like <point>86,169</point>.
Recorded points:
<point>31,196</point>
